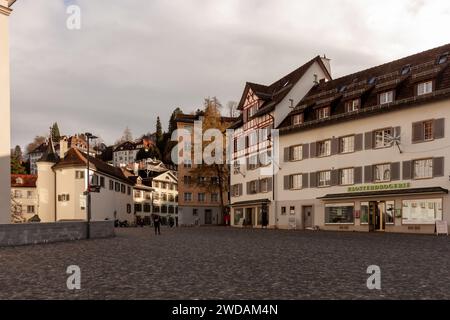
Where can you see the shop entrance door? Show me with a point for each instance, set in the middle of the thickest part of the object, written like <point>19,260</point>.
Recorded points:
<point>308,219</point>
<point>377,215</point>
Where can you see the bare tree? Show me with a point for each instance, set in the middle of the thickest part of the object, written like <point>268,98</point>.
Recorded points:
<point>232,109</point>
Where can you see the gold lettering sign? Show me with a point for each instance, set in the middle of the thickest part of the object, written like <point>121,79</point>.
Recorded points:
<point>380,187</point>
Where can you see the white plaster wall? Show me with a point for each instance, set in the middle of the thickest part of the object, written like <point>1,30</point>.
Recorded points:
<point>46,192</point>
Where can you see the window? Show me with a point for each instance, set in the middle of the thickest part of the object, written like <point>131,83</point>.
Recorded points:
<point>17,194</point>
<point>364,217</point>
<point>236,167</point>
<point>137,194</point>
<point>122,188</point>
<point>30,209</point>
<point>390,212</point>
<point>102,182</point>
<point>383,138</point>
<point>195,212</point>
<point>346,176</point>
<point>29,194</point>
<point>443,58</point>
<point>296,153</point>
<point>264,185</point>
<point>253,188</point>
<point>156,196</point>
<point>283,211</point>
<point>292,211</point>
<point>406,70</point>
<point>297,181</point>
<point>424,88</point>
<point>79,174</point>
<point>386,97</point>
<point>111,185</point>
<point>156,184</point>
<point>297,119</point>
<point>264,134</point>
<point>201,180</point>
<point>423,169</point>
<point>324,178</point>
<point>252,162</point>
<point>171,198</point>
<point>164,209</point>
<point>129,190</point>
<point>214,197</point>
<point>265,158</point>
<point>339,213</point>
<point>352,105</point>
<point>324,148</point>
<point>428,130</point>
<point>137,207</point>
<point>426,211</point>
<point>253,138</point>
<point>187,180</point>
<point>171,209</point>
<point>323,113</point>
<point>63,198</point>
<point>187,196</point>
<point>147,207</point>
<point>128,208</point>
<point>382,172</point>
<point>187,163</point>
<point>117,187</point>
<point>252,110</point>
<point>347,144</point>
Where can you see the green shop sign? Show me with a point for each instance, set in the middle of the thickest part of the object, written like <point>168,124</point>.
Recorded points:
<point>378,187</point>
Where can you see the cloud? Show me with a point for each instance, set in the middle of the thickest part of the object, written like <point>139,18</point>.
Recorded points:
<point>133,60</point>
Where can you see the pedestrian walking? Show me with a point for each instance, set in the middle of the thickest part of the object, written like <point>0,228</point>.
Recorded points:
<point>157,224</point>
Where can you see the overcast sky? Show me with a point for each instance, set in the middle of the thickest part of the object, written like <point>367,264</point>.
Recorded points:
<point>133,60</point>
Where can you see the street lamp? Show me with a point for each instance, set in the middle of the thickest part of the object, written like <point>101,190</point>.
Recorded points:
<point>89,136</point>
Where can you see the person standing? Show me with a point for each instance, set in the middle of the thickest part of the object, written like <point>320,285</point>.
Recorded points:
<point>157,224</point>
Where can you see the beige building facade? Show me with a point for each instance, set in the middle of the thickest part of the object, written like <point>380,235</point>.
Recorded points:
<point>5,112</point>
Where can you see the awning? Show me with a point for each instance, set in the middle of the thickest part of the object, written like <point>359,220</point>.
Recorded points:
<point>251,202</point>
<point>398,192</point>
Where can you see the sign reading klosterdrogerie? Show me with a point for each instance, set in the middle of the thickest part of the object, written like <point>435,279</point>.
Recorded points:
<point>380,187</point>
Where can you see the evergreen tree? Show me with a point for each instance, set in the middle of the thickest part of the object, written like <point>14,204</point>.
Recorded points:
<point>172,122</point>
<point>159,132</point>
<point>17,153</point>
<point>17,167</point>
<point>56,136</point>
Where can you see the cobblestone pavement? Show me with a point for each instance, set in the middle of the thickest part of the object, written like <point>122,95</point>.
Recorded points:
<point>225,263</point>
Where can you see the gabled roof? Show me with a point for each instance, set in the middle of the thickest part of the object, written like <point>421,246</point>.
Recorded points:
<point>23,181</point>
<point>190,118</point>
<point>274,93</point>
<point>76,158</point>
<point>401,75</point>
<point>50,153</point>
<point>127,145</point>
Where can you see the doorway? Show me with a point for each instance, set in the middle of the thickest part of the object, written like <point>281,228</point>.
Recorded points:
<point>208,216</point>
<point>377,215</point>
<point>307,217</point>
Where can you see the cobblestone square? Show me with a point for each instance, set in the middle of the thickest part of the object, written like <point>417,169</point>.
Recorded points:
<point>225,263</point>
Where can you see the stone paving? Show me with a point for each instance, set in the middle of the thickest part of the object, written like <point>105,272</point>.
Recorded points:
<point>226,263</point>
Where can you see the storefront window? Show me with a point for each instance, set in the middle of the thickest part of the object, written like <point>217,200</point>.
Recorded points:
<point>339,213</point>
<point>237,216</point>
<point>426,211</point>
<point>364,213</point>
<point>390,212</point>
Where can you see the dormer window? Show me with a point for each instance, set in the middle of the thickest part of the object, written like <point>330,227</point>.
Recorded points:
<point>424,88</point>
<point>405,70</point>
<point>352,105</point>
<point>297,119</point>
<point>252,111</point>
<point>443,58</point>
<point>372,80</point>
<point>387,97</point>
<point>323,113</point>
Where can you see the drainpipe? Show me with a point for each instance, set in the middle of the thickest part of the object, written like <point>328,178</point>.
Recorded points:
<point>273,177</point>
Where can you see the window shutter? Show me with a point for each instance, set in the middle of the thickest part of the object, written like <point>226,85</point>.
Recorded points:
<point>407,170</point>
<point>305,150</point>
<point>357,178</point>
<point>68,196</point>
<point>287,182</point>
<point>439,128</point>
<point>368,174</point>
<point>248,187</point>
<point>397,131</point>
<point>313,150</point>
<point>359,142</point>
<point>438,167</point>
<point>287,154</point>
<point>59,197</point>
<point>334,177</point>
<point>368,140</point>
<point>334,146</point>
<point>395,171</point>
<point>240,191</point>
<point>269,184</point>
<point>257,182</point>
<point>305,182</point>
<point>313,179</point>
<point>417,132</point>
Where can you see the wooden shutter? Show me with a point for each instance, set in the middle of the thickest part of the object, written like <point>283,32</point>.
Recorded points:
<point>334,146</point>
<point>368,174</point>
<point>417,132</point>
<point>357,175</point>
<point>313,150</point>
<point>305,181</point>
<point>368,140</point>
<point>407,170</point>
<point>305,150</point>
<point>334,177</point>
<point>287,182</point>
<point>359,142</point>
<point>313,179</point>
<point>269,184</point>
<point>287,154</point>
<point>439,128</point>
<point>395,171</point>
<point>248,187</point>
<point>257,183</point>
<point>438,167</point>
<point>240,191</point>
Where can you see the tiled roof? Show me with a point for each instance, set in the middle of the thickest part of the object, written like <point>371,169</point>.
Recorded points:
<point>23,181</point>
<point>190,118</point>
<point>74,157</point>
<point>400,75</point>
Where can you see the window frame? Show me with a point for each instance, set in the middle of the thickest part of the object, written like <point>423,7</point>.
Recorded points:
<point>375,170</point>
<point>328,149</point>
<point>425,86</point>
<point>352,175</point>
<point>341,139</point>
<point>381,94</point>
<point>384,138</point>
<point>414,169</point>
<point>329,179</point>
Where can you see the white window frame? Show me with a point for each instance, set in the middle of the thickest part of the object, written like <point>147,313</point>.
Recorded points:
<point>381,138</point>
<point>323,113</point>
<point>347,144</point>
<point>347,176</point>
<point>423,168</point>
<point>381,171</point>
<point>297,181</point>
<point>324,178</point>
<point>297,153</point>
<point>387,97</point>
<point>424,88</point>
<point>297,119</point>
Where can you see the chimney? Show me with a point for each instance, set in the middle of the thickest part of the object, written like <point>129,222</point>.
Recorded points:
<point>63,147</point>
<point>327,63</point>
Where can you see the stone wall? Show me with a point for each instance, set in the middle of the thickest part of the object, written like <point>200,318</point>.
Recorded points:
<point>34,233</point>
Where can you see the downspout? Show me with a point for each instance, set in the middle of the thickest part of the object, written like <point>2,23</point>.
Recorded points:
<point>55,198</point>
<point>273,176</point>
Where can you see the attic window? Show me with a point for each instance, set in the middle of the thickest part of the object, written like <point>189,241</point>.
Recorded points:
<point>287,82</point>
<point>443,58</point>
<point>342,89</point>
<point>19,181</point>
<point>371,81</point>
<point>406,69</point>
